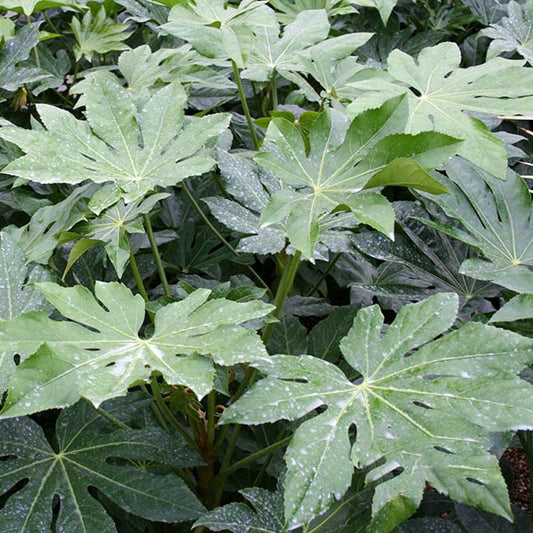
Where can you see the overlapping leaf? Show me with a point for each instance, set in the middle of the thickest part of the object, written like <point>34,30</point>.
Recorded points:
<point>15,296</point>
<point>136,151</point>
<point>271,53</point>
<point>344,158</point>
<point>423,409</point>
<point>218,29</point>
<point>289,9</point>
<point>384,7</point>
<point>514,32</point>
<point>113,226</point>
<point>85,447</point>
<point>431,257</point>
<point>497,219</point>
<point>252,186</point>
<point>15,50</point>
<point>441,94</point>
<point>99,353</point>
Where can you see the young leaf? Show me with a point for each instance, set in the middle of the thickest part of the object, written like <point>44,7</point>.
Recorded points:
<point>512,32</point>
<point>113,227</point>
<point>217,29</point>
<point>70,360</point>
<point>423,409</point>
<point>344,158</point>
<point>138,152</point>
<point>440,93</point>
<point>97,35</point>
<point>86,457</point>
<point>15,296</point>
<point>496,216</point>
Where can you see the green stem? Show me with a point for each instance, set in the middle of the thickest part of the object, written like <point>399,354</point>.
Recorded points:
<point>285,285</point>
<point>211,404</point>
<point>244,104</point>
<point>254,456</point>
<point>107,416</point>
<point>219,483</point>
<point>274,91</point>
<point>167,414</point>
<point>136,273</point>
<point>157,256</point>
<point>331,264</point>
<point>204,217</point>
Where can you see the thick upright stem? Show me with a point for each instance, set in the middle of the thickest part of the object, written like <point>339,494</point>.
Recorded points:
<point>244,104</point>
<point>137,274</point>
<point>285,285</point>
<point>157,256</point>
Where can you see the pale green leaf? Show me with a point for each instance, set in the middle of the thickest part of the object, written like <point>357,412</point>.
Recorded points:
<point>69,360</point>
<point>288,9</point>
<point>514,32</point>
<point>342,159</point>
<point>496,216</point>
<point>137,152</point>
<point>218,29</point>
<point>98,35</point>
<point>113,226</point>
<point>28,7</point>
<point>423,408</point>
<point>384,7</point>
<point>55,495</point>
<point>518,308</point>
<point>39,237</point>
<point>16,297</point>
<point>271,54</point>
<point>440,94</point>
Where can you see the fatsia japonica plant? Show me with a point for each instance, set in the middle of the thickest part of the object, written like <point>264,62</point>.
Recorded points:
<point>264,266</point>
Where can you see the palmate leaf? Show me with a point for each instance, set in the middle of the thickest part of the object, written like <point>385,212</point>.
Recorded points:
<point>218,29</point>
<point>113,226</point>
<point>345,158</point>
<point>304,37</point>
<point>15,296</point>
<point>440,95</point>
<point>86,457</point>
<point>289,9</point>
<point>514,32</point>
<point>496,216</point>
<point>252,186</point>
<point>97,35</point>
<point>425,415</point>
<point>70,360</point>
<point>432,258</point>
<point>384,7</point>
<point>136,151</point>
